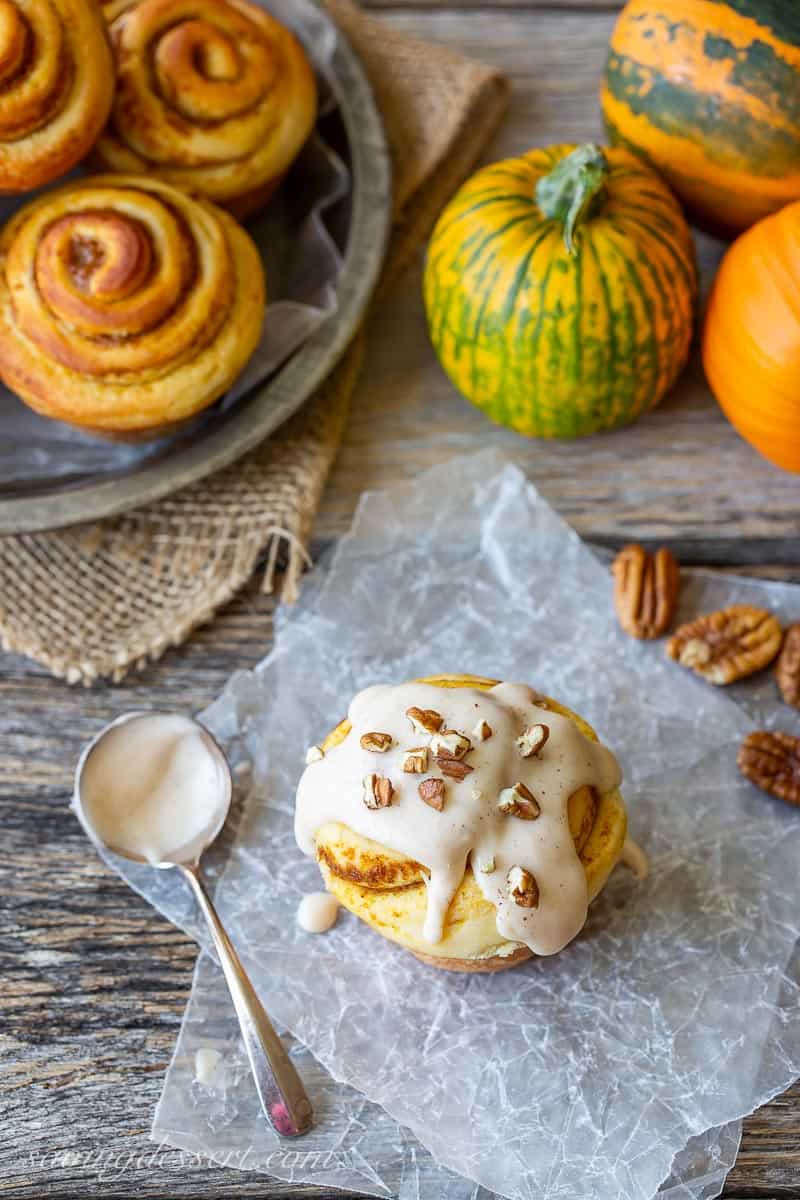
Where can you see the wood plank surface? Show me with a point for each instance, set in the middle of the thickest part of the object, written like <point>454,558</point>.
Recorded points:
<point>93,982</point>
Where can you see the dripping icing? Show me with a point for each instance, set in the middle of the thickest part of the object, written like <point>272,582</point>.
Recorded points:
<point>470,828</point>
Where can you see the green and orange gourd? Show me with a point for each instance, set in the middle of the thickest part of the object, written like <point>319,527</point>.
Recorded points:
<point>709,92</point>
<point>560,287</point>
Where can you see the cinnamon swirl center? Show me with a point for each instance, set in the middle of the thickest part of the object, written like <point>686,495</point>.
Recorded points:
<point>96,271</point>
<point>208,73</point>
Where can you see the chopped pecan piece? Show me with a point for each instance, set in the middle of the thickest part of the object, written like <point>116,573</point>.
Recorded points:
<point>415,761</point>
<point>378,742</point>
<point>523,888</point>
<point>450,744</point>
<point>727,645</point>
<point>425,720</point>
<point>787,668</point>
<point>646,590</point>
<point>432,792</point>
<point>482,731</point>
<point>453,768</point>
<point>772,762</point>
<point>532,740</point>
<point>378,791</point>
<point>519,801</point>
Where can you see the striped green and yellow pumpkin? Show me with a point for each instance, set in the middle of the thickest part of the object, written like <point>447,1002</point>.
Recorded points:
<point>709,92</point>
<point>560,287</point>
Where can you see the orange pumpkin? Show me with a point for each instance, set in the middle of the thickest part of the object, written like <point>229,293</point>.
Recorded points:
<point>751,336</point>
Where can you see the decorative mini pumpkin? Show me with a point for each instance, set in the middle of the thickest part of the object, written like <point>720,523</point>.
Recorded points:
<point>710,94</point>
<point>559,288</point>
<point>751,337</point>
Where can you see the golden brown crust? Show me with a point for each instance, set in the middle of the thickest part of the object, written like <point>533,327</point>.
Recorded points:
<point>369,867</point>
<point>126,307</point>
<point>477,966</point>
<point>56,88</point>
<point>214,96</point>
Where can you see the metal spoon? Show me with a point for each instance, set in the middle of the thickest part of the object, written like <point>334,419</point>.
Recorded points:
<point>279,1087</point>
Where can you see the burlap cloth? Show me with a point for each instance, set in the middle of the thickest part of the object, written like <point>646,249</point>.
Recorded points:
<point>94,601</point>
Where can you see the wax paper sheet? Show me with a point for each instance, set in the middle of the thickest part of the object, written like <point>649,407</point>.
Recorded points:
<point>617,1067</point>
<point>302,261</point>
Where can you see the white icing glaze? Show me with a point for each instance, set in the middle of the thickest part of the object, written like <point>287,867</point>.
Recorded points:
<point>470,827</point>
<point>206,1062</point>
<point>317,912</point>
<point>635,859</point>
<point>152,787</point>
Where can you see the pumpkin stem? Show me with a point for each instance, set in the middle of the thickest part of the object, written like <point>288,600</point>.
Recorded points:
<point>572,189</point>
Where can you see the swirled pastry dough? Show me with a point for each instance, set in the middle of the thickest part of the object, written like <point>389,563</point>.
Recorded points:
<point>214,96</point>
<point>56,86</point>
<point>126,306</point>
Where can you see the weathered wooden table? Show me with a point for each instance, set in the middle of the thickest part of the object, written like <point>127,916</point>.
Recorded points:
<point>93,982</point>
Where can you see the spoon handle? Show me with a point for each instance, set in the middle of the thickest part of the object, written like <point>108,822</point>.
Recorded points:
<point>280,1089</point>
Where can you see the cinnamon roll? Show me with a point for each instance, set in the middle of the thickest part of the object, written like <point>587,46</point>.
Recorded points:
<point>469,821</point>
<point>214,96</point>
<point>126,306</point>
<point>56,87</point>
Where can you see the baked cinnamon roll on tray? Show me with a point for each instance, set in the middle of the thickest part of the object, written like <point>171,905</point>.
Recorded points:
<point>173,223</point>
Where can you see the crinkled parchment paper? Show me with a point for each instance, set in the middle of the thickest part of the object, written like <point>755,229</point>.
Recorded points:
<point>302,264</point>
<point>622,1062</point>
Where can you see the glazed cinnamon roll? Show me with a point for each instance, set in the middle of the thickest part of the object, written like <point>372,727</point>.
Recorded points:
<point>471,822</point>
<point>126,306</point>
<point>56,86</point>
<point>214,96</point>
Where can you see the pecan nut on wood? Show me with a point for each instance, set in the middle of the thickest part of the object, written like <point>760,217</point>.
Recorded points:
<point>787,668</point>
<point>646,590</point>
<point>727,645</point>
<point>772,762</point>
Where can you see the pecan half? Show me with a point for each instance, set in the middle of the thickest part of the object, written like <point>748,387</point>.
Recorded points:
<point>453,768</point>
<point>378,742</point>
<point>519,801</point>
<point>787,668</point>
<point>646,590</point>
<point>432,792</point>
<point>772,762</point>
<point>727,645</point>
<point>523,888</point>
<point>425,720</point>
<point>378,791</point>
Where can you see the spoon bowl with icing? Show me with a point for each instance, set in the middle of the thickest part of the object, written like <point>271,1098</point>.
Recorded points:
<point>156,787</point>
